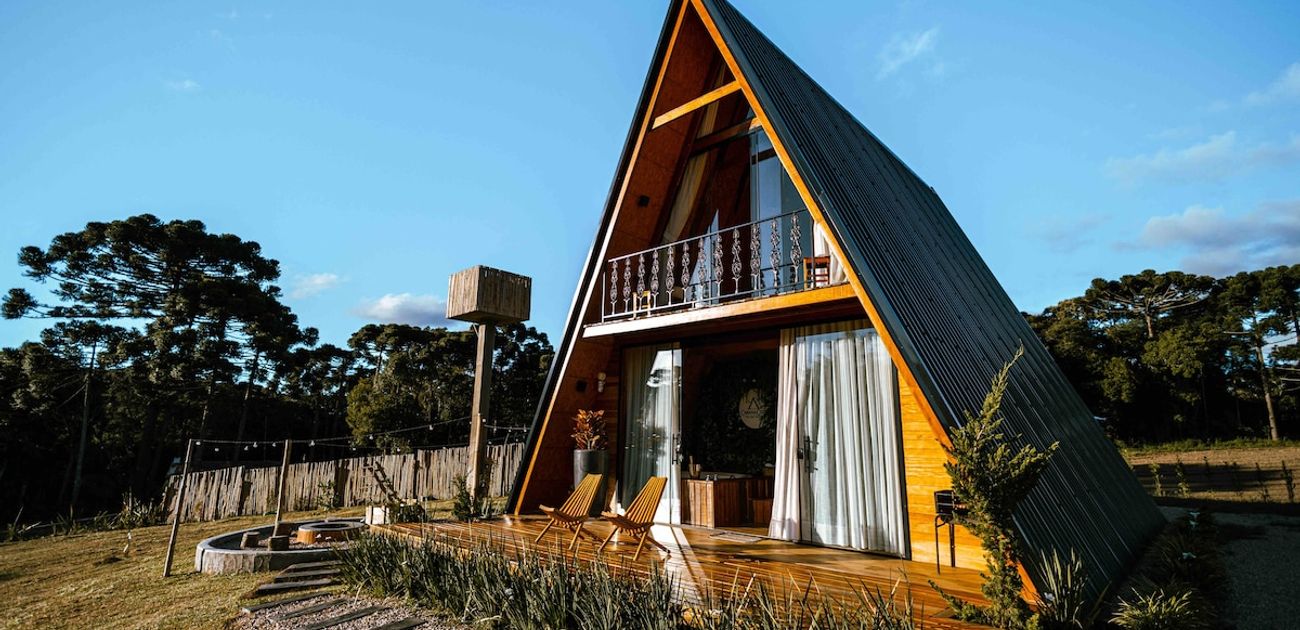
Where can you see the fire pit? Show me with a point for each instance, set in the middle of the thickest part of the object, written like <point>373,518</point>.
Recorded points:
<point>327,531</point>
<point>224,553</point>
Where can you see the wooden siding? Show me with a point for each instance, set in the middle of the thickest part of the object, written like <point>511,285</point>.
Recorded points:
<point>923,459</point>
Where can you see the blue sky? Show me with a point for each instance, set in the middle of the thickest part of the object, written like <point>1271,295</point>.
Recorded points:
<point>374,151</point>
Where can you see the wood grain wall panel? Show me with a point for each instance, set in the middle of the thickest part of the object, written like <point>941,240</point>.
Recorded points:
<point>923,459</point>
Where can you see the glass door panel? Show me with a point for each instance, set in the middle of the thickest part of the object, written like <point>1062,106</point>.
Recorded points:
<point>652,397</point>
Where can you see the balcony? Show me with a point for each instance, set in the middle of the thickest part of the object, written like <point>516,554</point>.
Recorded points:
<point>772,256</point>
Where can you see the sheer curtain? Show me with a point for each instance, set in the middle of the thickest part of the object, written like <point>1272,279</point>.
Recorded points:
<point>652,378</point>
<point>838,479</point>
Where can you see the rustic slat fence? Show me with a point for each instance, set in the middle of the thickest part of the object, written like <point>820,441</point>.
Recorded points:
<point>240,491</point>
<point>1271,482</point>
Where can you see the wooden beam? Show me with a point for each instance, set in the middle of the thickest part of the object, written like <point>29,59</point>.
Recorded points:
<point>724,311</point>
<point>696,103</point>
<point>719,137</point>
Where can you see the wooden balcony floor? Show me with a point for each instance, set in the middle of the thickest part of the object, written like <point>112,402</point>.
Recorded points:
<point>709,560</point>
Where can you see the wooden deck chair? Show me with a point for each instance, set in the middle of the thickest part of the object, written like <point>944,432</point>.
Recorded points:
<point>639,518</point>
<point>573,513</point>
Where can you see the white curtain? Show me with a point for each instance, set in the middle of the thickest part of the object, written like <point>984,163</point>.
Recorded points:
<point>822,247</point>
<point>838,479</point>
<point>652,377</point>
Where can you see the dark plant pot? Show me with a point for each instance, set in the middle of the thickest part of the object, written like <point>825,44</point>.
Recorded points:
<point>586,462</point>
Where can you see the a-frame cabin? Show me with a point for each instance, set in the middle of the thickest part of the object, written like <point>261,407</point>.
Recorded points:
<point>774,297</point>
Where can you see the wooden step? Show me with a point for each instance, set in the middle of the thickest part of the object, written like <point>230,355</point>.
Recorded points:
<point>252,608</point>
<point>286,576</point>
<point>344,618</point>
<point>286,587</point>
<point>301,612</point>
<point>402,624</point>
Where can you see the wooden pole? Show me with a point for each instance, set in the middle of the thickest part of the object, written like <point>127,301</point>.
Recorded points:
<point>477,480</point>
<point>279,495</point>
<point>180,505</point>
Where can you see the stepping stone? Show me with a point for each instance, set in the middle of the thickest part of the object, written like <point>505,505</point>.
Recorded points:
<point>285,576</point>
<point>285,587</point>
<point>344,618</point>
<point>280,602</point>
<point>304,566</point>
<point>402,624</point>
<point>325,605</point>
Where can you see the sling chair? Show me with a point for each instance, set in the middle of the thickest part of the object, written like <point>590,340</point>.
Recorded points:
<point>573,513</point>
<point>639,518</point>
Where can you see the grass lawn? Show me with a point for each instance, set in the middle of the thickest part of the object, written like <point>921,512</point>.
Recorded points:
<point>63,581</point>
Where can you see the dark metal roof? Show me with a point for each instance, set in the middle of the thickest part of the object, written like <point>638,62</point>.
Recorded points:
<point>953,323</point>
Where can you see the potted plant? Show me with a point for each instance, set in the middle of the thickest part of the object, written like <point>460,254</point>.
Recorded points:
<point>589,454</point>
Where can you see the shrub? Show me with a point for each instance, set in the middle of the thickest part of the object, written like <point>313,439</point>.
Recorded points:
<point>1062,601</point>
<point>327,496</point>
<point>991,478</point>
<point>495,588</point>
<point>1159,611</point>
<point>465,508</point>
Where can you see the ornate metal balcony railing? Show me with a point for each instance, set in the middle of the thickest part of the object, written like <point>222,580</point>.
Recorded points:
<point>762,258</point>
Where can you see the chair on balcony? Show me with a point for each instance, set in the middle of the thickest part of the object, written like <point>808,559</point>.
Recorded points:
<point>573,514</point>
<point>816,271</point>
<point>639,518</point>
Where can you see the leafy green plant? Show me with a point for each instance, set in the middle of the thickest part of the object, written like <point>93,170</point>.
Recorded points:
<point>327,496</point>
<point>465,508</point>
<point>1062,599</point>
<point>1159,489</point>
<point>991,477</point>
<point>1157,610</point>
<point>488,586</point>
<point>1180,473</point>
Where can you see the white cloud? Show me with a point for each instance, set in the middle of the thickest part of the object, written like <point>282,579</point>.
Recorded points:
<point>184,85</point>
<point>313,284</point>
<point>405,308</point>
<point>907,48</point>
<point>1217,158</point>
<point>1219,244</point>
<point>1285,88</point>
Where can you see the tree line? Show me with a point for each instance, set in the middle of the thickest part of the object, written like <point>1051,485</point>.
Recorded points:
<point>1169,356</point>
<point>163,331</point>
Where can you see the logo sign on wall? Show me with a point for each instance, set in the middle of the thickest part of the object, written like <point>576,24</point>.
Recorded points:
<point>753,409</point>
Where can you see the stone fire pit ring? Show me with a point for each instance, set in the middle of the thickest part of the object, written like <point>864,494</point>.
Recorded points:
<point>329,531</point>
<point>222,553</point>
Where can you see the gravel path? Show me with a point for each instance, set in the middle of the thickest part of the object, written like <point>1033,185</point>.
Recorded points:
<point>269,619</point>
<point>1262,556</point>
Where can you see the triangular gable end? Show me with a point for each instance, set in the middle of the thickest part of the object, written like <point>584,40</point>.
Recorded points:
<point>945,321</point>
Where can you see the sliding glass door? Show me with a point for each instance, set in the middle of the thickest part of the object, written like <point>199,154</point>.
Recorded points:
<point>652,407</point>
<point>838,477</point>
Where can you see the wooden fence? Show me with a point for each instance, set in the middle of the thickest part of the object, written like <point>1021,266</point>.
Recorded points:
<point>423,474</point>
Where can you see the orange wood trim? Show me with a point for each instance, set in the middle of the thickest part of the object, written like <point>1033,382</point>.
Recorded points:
<point>696,103</point>
<point>712,313</point>
<point>811,202</point>
<point>585,296</point>
<point>719,137</point>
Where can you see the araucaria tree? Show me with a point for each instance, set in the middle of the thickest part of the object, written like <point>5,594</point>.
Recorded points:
<point>990,477</point>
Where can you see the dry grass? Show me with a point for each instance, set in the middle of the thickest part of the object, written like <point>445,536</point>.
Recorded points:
<point>64,581</point>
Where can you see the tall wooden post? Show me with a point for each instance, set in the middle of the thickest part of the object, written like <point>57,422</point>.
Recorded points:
<point>478,476</point>
<point>180,505</point>
<point>279,494</point>
<point>485,297</point>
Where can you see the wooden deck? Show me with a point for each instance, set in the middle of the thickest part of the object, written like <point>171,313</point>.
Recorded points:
<point>709,560</point>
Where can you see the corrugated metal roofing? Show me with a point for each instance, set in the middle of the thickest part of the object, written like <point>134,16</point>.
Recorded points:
<point>951,320</point>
